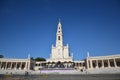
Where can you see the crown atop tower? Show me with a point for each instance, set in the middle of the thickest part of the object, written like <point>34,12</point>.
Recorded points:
<point>59,30</point>
<point>59,22</point>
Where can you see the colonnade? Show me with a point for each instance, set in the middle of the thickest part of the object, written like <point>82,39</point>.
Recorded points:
<point>14,64</point>
<point>79,65</point>
<point>55,64</point>
<point>103,63</point>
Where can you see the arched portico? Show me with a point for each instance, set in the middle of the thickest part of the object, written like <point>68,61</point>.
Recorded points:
<point>16,64</point>
<point>103,62</point>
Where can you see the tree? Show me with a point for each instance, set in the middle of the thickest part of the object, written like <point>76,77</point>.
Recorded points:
<point>40,59</point>
<point>32,58</point>
<point>1,56</point>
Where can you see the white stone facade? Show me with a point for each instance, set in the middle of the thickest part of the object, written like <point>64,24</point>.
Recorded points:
<point>59,52</point>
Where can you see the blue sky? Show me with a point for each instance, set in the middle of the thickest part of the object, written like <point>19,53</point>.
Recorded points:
<point>29,26</point>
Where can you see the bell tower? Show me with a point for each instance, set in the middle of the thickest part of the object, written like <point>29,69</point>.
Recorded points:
<point>59,52</point>
<point>59,38</point>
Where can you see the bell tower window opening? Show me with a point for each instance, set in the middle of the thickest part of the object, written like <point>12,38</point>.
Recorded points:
<point>58,37</point>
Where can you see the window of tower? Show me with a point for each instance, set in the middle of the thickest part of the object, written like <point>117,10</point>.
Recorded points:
<point>58,37</point>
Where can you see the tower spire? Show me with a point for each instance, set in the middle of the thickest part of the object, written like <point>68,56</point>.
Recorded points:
<point>59,38</point>
<point>59,20</point>
<point>60,52</point>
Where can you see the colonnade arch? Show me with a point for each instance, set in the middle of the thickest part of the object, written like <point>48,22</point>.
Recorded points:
<point>103,63</point>
<point>20,64</point>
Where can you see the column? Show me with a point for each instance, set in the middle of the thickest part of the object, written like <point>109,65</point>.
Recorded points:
<point>91,64</point>
<point>21,65</point>
<point>78,64</point>
<point>16,66</point>
<point>11,65</point>
<point>96,63</point>
<point>102,63</point>
<point>87,64</point>
<point>0,64</point>
<point>6,66</point>
<point>108,63</point>
<point>115,63</point>
<point>29,65</point>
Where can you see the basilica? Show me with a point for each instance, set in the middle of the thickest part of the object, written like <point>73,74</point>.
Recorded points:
<point>61,60</point>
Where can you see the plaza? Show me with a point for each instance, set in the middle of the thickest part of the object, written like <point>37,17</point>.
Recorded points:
<point>64,77</point>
